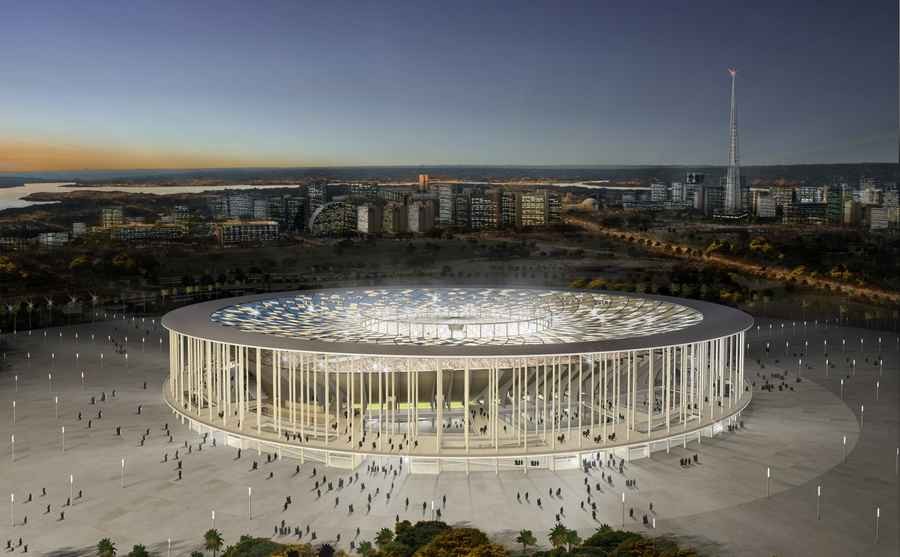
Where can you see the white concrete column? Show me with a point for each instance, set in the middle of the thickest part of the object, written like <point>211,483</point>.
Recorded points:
<point>466,405</point>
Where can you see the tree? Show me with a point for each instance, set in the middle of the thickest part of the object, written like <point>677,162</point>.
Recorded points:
<point>526,538</point>
<point>488,550</point>
<point>213,541</point>
<point>454,542</point>
<point>326,550</point>
<point>139,551</point>
<point>558,536</point>
<point>572,539</point>
<point>383,537</point>
<point>196,554</point>
<point>365,548</point>
<point>106,548</point>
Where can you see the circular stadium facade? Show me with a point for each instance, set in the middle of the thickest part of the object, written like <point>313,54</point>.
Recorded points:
<point>457,378</point>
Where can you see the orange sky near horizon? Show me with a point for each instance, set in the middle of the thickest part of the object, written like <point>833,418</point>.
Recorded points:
<point>18,155</point>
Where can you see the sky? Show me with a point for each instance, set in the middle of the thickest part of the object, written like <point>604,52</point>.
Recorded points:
<point>179,84</point>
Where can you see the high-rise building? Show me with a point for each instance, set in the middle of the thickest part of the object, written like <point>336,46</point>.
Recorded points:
<point>733,186</point>
<point>394,218</point>
<point>677,192</point>
<point>692,182</point>
<point>878,218</point>
<point>710,199</point>
<point>659,192</point>
<point>111,216</point>
<point>509,208</point>
<point>447,194</point>
<point>369,218</point>
<point>240,206</point>
<point>538,208</point>
<point>261,209</point>
<point>53,239</point>
<point>852,212</point>
<point>317,195</point>
<point>364,191</point>
<point>424,182</point>
<point>242,231</point>
<point>294,215</point>
<point>765,205</point>
<point>78,229</point>
<point>421,216</point>
<point>484,209</point>
<point>834,199</point>
<point>181,215</point>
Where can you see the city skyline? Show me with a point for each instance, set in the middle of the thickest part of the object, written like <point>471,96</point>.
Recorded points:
<point>193,86</point>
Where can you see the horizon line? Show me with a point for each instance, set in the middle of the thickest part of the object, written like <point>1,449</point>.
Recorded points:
<point>421,165</point>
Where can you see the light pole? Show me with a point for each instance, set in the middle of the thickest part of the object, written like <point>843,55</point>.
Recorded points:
<point>63,432</point>
<point>862,410</point>
<point>249,503</point>
<point>12,519</point>
<point>623,509</point>
<point>214,519</point>
<point>768,481</point>
<point>826,367</point>
<point>14,412</point>
<point>877,517</point>
<point>56,406</point>
<point>819,502</point>
<point>17,383</point>
<point>123,471</point>
<point>71,486</point>
<point>169,550</point>
<point>50,381</point>
<point>842,388</point>
<point>844,449</point>
<point>82,380</point>
<point>877,386</point>
<point>12,442</point>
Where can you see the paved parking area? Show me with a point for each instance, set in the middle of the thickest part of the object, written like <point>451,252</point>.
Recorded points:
<point>719,505</point>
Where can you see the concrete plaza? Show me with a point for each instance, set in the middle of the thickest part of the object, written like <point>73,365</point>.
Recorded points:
<point>718,505</point>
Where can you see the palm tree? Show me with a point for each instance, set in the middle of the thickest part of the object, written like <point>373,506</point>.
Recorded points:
<point>526,538</point>
<point>558,536</point>
<point>572,539</point>
<point>383,537</point>
<point>139,551</point>
<point>365,548</point>
<point>213,541</point>
<point>106,548</point>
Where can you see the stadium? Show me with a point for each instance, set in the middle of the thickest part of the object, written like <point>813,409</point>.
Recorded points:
<point>453,378</point>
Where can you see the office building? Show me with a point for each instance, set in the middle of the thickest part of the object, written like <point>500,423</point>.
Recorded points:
<point>111,216</point>
<point>53,239</point>
<point>369,218</point>
<point>420,217</point>
<point>394,218</point>
<point>243,231</point>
